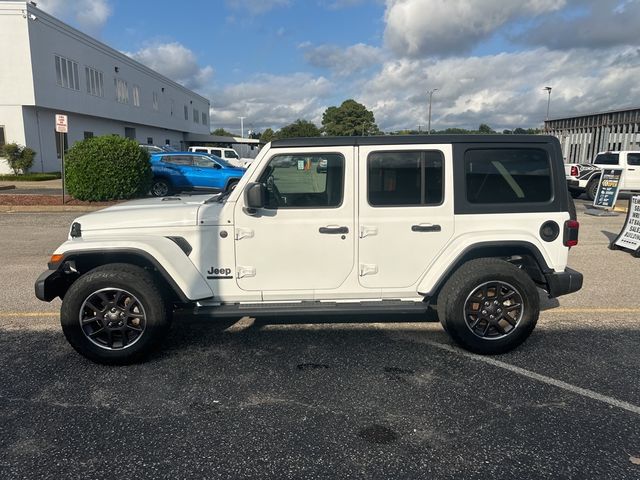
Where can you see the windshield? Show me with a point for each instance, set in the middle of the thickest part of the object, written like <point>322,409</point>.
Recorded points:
<point>230,154</point>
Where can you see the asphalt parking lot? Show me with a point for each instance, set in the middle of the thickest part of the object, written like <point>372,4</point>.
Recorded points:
<point>376,400</point>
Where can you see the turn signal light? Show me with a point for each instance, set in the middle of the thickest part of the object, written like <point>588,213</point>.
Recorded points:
<point>56,258</point>
<point>571,228</point>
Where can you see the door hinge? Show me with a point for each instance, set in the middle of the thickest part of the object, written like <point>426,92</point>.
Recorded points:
<point>246,272</point>
<point>366,231</point>
<point>368,269</point>
<point>243,233</point>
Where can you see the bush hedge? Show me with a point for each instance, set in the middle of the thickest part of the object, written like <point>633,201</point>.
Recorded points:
<point>107,168</point>
<point>30,177</point>
<point>18,157</point>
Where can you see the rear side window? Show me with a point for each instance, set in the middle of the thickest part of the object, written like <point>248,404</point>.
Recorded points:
<point>177,159</point>
<point>633,158</point>
<point>405,178</point>
<point>607,159</point>
<point>217,153</point>
<point>516,175</point>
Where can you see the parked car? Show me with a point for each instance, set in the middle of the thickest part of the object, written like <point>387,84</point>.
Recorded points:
<point>584,177</point>
<point>156,149</point>
<point>179,171</point>
<point>472,225</point>
<point>228,154</point>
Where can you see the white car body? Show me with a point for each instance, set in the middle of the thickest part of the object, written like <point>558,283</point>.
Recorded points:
<point>228,154</point>
<point>580,175</point>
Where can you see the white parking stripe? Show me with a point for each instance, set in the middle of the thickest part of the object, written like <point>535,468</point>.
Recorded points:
<point>541,378</point>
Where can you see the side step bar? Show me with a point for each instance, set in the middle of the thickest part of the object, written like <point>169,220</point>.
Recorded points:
<point>310,308</point>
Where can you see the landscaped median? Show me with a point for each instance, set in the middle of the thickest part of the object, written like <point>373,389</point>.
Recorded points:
<point>46,203</point>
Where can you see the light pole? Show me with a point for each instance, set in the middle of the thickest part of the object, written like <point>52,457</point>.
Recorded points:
<point>430,92</point>
<point>242,126</point>
<point>548,89</point>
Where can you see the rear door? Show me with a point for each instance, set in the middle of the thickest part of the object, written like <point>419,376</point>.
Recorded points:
<point>207,173</point>
<point>406,212</point>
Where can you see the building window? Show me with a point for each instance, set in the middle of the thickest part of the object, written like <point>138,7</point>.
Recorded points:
<point>59,144</point>
<point>204,118</point>
<point>167,142</point>
<point>136,95</point>
<point>88,135</point>
<point>2,140</point>
<point>149,140</point>
<point>155,100</point>
<point>172,104</point>
<point>95,82</point>
<point>67,73</point>
<point>196,114</point>
<point>130,133</point>
<point>122,90</point>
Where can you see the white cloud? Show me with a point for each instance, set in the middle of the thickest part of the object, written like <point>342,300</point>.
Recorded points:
<point>342,61</point>
<point>90,15</point>
<point>418,28</point>
<point>175,61</point>
<point>502,90</point>
<point>270,101</point>
<point>257,7</point>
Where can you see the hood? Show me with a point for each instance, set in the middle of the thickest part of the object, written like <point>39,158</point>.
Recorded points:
<point>179,211</point>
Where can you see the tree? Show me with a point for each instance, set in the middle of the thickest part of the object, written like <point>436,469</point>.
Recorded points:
<point>267,136</point>
<point>221,132</point>
<point>299,128</point>
<point>18,157</point>
<point>486,129</point>
<point>349,119</point>
<point>519,131</point>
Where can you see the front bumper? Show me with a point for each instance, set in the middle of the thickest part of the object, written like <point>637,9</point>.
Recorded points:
<point>50,284</point>
<point>562,283</point>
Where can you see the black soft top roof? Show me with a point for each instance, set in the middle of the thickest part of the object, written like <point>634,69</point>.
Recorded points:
<point>409,140</point>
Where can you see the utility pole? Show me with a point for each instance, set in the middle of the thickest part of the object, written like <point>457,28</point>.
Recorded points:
<point>242,126</point>
<point>420,128</point>
<point>548,89</point>
<point>430,92</point>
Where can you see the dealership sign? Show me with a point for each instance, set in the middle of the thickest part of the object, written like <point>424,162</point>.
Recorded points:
<point>629,238</point>
<point>608,188</point>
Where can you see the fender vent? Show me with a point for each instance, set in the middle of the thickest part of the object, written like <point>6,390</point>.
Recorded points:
<point>183,244</point>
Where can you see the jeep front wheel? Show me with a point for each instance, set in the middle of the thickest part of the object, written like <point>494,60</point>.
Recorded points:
<point>114,314</point>
<point>489,306</point>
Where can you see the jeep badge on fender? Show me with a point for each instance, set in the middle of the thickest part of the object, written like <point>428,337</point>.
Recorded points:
<point>472,226</point>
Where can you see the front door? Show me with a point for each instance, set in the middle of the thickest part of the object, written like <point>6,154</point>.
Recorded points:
<point>632,173</point>
<point>304,239</point>
<point>406,213</point>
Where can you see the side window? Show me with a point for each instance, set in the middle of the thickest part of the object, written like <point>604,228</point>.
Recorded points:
<point>204,162</point>
<point>203,150</point>
<point>230,154</point>
<point>405,178</point>
<point>633,158</point>
<point>514,175</point>
<point>607,159</point>
<point>177,159</point>
<point>304,181</point>
<point>216,153</point>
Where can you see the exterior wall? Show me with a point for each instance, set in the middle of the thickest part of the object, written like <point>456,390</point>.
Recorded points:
<point>12,121</point>
<point>583,137</point>
<point>16,79</point>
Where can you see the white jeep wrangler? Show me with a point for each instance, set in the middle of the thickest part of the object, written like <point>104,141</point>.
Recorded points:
<point>472,225</point>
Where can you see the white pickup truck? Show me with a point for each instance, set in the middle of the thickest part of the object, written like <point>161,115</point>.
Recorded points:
<point>584,177</point>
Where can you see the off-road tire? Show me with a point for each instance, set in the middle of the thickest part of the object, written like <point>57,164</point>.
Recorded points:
<point>575,193</point>
<point>592,188</point>
<point>141,284</point>
<point>471,275</point>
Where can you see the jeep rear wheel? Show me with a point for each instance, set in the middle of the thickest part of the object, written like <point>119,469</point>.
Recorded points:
<point>489,306</point>
<point>114,314</point>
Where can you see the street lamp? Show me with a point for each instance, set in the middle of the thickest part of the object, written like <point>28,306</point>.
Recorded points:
<point>430,92</point>
<point>548,89</point>
<point>242,126</point>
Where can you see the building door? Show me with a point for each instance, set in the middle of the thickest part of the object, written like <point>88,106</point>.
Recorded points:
<point>303,240</point>
<point>405,217</point>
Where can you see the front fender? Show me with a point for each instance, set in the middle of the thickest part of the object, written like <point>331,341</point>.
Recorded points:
<point>165,255</point>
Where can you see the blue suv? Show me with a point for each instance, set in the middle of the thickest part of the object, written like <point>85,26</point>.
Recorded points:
<point>179,171</point>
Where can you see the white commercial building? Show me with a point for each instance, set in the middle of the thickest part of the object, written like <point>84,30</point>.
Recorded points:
<point>51,68</point>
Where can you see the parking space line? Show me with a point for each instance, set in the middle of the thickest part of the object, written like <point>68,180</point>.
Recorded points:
<point>541,378</point>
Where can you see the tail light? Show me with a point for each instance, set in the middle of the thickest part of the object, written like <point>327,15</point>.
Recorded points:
<point>574,171</point>
<point>571,228</point>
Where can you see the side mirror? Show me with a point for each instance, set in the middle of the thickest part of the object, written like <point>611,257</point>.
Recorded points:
<point>255,195</point>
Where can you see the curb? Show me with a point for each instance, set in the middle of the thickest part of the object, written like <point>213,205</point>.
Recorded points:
<point>7,187</point>
<point>48,208</point>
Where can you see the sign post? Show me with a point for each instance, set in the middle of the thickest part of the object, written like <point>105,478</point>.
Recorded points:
<point>629,238</point>
<point>62,127</point>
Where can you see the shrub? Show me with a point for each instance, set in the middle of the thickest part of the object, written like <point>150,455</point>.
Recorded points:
<point>107,168</point>
<point>18,157</point>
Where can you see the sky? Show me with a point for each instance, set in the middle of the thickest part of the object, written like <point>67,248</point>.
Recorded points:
<point>275,61</point>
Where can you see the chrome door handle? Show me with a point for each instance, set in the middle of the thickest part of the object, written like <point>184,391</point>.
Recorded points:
<point>426,228</point>
<point>334,230</point>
